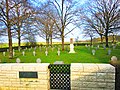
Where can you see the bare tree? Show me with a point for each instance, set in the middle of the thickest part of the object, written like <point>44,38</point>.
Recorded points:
<point>94,24</point>
<point>5,13</point>
<point>66,12</point>
<point>45,24</point>
<point>29,31</point>
<point>107,12</point>
<point>7,16</point>
<point>45,28</point>
<point>89,32</point>
<point>22,11</point>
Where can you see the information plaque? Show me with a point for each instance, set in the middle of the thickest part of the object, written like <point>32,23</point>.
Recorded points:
<point>25,74</point>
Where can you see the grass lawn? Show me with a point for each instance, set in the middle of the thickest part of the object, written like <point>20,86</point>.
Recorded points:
<point>82,55</point>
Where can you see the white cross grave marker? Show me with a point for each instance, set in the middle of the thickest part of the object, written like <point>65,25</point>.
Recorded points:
<point>93,52</point>
<point>34,53</point>
<point>58,52</point>
<point>23,53</point>
<point>3,53</point>
<point>46,52</point>
<point>13,53</point>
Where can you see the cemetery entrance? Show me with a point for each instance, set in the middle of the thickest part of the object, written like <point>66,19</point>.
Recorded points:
<point>59,76</point>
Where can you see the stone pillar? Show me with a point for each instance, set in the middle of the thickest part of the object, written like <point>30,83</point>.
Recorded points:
<point>71,46</point>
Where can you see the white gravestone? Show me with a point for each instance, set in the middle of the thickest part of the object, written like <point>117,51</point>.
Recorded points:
<point>19,49</point>
<point>46,52</point>
<point>35,48</point>
<point>34,53</point>
<point>23,53</point>
<point>58,52</point>
<point>71,46</point>
<point>98,46</point>
<point>26,48</point>
<point>109,52</point>
<point>38,60</point>
<point>86,45</point>
<point>17,60</point>
<point>13,53</point>
<point>3,53</point>
<point>93,52</point>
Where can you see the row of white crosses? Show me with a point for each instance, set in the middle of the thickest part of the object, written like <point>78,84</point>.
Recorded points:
<point>4,53</point>
<point>34,53</point>
<point>46,52</point>
<point>92,46</point>
<point>23,53</point>
<point>58,52</point>
<point>114,46</point>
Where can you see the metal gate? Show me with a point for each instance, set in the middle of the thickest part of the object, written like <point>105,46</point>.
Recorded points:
<point>60,76</point>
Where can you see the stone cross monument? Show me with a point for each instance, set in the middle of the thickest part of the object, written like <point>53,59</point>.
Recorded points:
<point>71,46</point>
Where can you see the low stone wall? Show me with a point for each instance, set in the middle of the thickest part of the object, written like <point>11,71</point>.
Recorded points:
<point>9,77</point>
<point>92,77</point>
<point>83,76</point>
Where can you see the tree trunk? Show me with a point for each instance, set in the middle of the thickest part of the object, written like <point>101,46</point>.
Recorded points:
<point>18,25</point>
<point>9,31</point>
<point>113,36</point>
<point>51,40</point>
<point>47,41</point>
<point>91,41</point>
<point>62,34</point>
<point>19,39</point>
<point>101,38</point>
<point>62,37</point>
<point>106,37</point>
<point>10,43</point>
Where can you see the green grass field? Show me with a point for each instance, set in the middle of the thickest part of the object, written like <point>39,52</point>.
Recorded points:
<point>82,55</point>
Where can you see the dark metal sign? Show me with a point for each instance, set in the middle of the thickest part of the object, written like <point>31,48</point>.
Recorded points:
<point>25,74</point>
